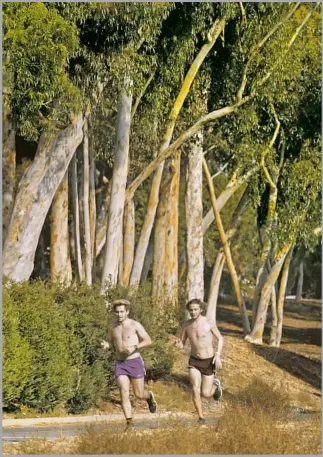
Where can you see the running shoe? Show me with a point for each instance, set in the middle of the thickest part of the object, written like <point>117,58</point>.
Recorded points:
<point>218,389</point>
<point>201,420</point>
<point>152,404</point>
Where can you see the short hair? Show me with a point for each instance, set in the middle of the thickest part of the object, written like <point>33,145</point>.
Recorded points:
<point>121,302</point>
<point>196,301</point>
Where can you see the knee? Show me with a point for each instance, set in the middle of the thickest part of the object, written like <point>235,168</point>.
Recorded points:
<point>139,394</point>
<point>205,393</point>
<point>124,392</point>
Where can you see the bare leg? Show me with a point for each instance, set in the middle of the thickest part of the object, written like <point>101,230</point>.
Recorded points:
<point>208,387</point>
<point>196,379</point>
<point>138,386</point>
<point>124,385</point>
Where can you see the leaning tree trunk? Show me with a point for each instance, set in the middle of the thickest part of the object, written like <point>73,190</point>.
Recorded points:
<point>142,246</point>
<point>76,219</point>
<point>215,285</point>
<point>227,253</point>
<point>118,191</point>
<point>8,170</point>
<point>171,239</point>
<point>235,223</point>
<point>194,218</point>
<point>161,227</point>
<point>86,204</point>
<point>256,336</point>
<point>128,241</point>
<point>300,280</point>
<point>276,332</point>
<point>148,261</point>
<point>35,194</point>
<point>294,269</point>
<point>60,262</point>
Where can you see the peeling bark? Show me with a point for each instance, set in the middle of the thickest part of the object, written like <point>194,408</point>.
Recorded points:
<point>35,194</point>
<point>171,240</point>
<point>60,262</point>
<point>86,204</point>
<point>102,221</point>
<point>194,217</point>
<point>76,219</point>
<point>8,170</point>
<point>117,199</point>
<point>128,241</point>
<point>276,332</point>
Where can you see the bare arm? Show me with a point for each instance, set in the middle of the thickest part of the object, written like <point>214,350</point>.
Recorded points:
<point>108,344</point>
<point>219,337</point>
<point>180,342</point>
<point>144,338</point>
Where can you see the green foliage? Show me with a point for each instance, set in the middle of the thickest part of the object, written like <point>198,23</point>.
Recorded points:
<point>37,46</point>
<point>16,354</point>
<point>52,345</point>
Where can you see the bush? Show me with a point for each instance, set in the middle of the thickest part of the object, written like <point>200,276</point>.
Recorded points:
<point>16,354</point>
<point>52,345</point>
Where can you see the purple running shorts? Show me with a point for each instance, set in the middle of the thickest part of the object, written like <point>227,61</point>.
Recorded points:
<point>133,368</point>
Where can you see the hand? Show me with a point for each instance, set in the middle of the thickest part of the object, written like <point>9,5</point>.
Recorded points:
<point>179,344</point>
<point>130,349</point>
<point>217,362</point>
<point>105,344</point>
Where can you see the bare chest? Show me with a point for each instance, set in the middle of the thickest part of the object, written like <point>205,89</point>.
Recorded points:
<point>199,331</point>
<point>124,334</point>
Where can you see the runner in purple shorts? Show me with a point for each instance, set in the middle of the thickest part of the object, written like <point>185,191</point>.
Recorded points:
<point>128,336</point>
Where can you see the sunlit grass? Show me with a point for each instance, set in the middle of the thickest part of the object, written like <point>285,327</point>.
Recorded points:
<point>257,421</point>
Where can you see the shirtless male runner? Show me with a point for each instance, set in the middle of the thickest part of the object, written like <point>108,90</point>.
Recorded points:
<point>203,362</point>
<point>128,337</point>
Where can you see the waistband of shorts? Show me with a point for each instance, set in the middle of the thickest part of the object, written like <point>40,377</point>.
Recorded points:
<point>129,360</point>
<point>196,358</point>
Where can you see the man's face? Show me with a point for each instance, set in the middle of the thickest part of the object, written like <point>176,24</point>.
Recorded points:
<point>121,313</point>
<point>194,310</point>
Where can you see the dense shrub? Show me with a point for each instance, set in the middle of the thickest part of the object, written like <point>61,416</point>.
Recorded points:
<point>52,344</point>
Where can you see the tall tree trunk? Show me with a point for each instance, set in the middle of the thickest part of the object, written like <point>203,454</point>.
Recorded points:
<point>118,190</point>
<point>256,335</point>
<point>276,332</point>
<point>128,241</point>
<point>300,280</point>
<point>8,170</point>
<point>294,269</point>
<point>213,34</point>
<point>233,185</point>
<point>171,240</point>
<point>92,211</point>
<point>60,262</point>
<point>194,217</point>
<point>76,219</point>
<point>215,285</point>
<point>86,203</point>
<point>148,261</point>
<point>102,221</point>
<point>227,253</point>
<point>35,194</point>
<point>220,259</point>
<point>161,227</point>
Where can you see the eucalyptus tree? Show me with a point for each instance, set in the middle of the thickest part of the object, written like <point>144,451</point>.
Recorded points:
<point>46,107</point>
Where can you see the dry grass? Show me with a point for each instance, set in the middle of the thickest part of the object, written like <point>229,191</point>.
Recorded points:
<point>258,421</point>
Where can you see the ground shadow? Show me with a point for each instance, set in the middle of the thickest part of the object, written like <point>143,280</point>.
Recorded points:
<point>308,370</point>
